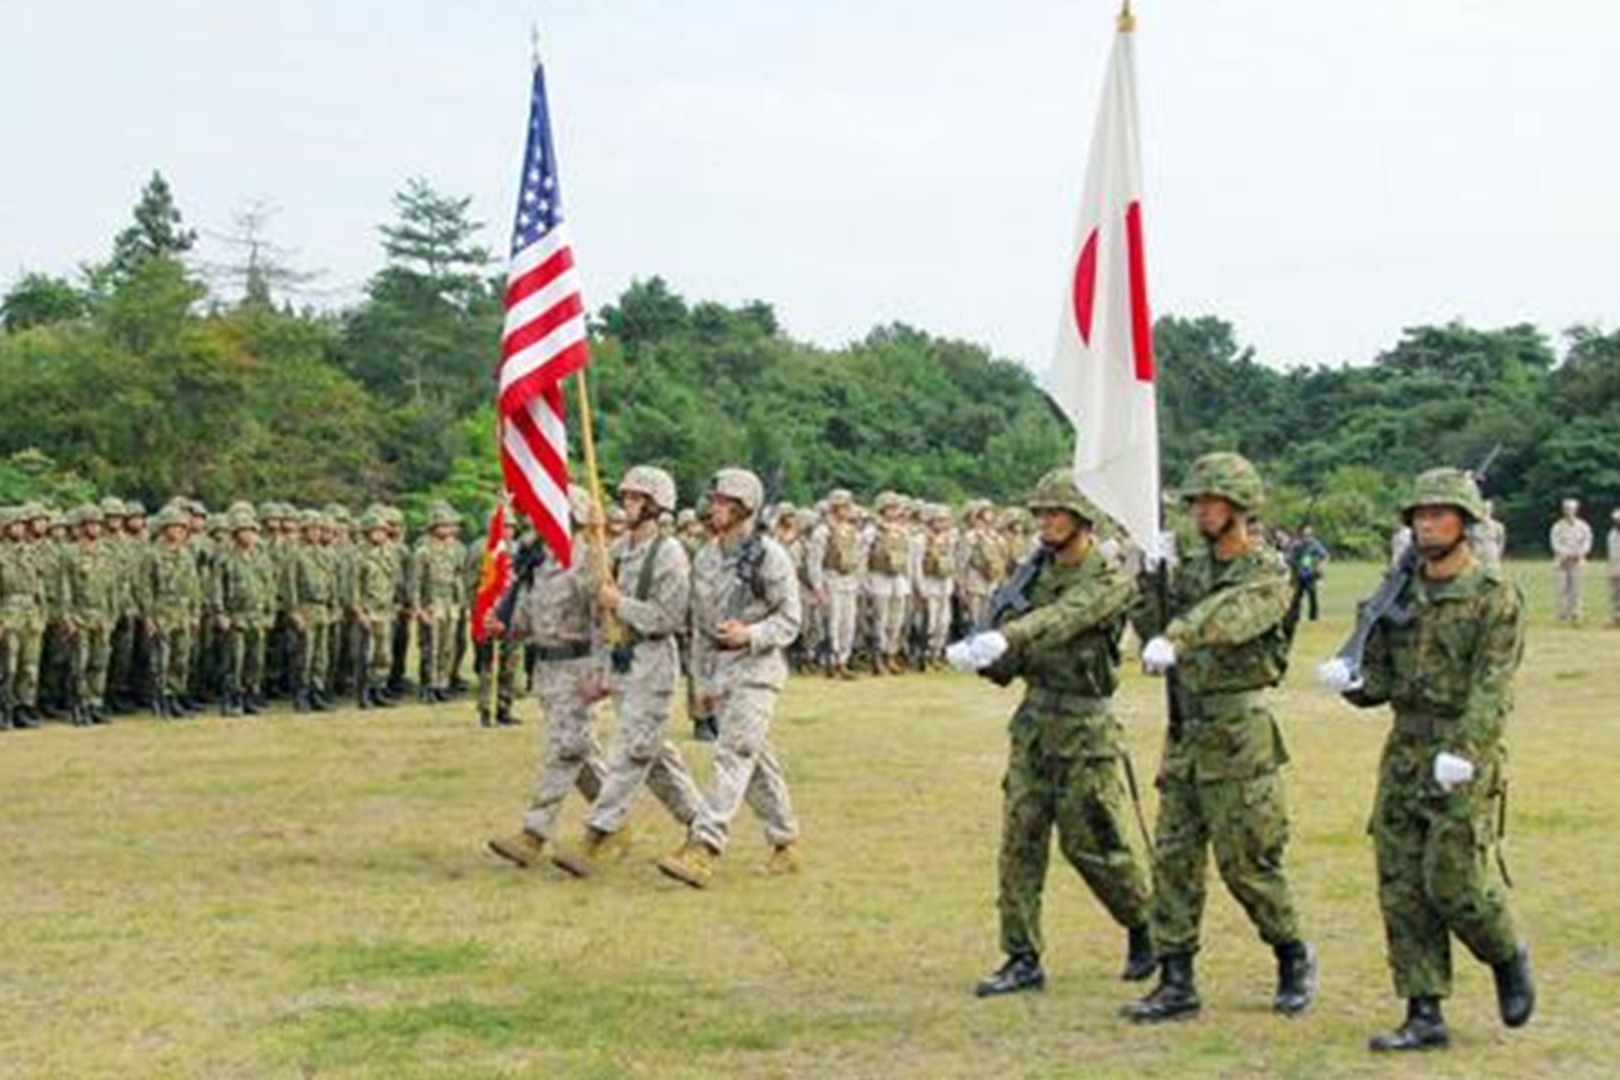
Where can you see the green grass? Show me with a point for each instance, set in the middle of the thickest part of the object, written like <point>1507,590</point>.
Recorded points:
<point>300,896</point>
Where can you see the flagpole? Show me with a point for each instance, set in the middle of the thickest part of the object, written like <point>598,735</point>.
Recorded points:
<point>612,629</point>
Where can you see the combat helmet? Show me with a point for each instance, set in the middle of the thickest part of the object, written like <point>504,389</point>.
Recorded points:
<point>85,514</point>
<point>1445,487</point>
<point>1228,476</point>
<point>741,486</point>
<point>111,506</point>
<point>171,515</point>
<point>888,500</point>
<point>1058,490</point>
<point>443,514</point>
<point>654,483</point>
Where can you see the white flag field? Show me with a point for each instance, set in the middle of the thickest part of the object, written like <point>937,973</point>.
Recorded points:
<point>1103,367</point>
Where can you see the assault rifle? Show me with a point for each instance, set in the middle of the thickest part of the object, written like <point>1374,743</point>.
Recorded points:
<point>1011,598</point>
<point>1384,605</point>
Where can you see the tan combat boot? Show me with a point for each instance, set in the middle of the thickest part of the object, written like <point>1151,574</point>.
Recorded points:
<point>522,848</point>
<point>597,847</point>
<point>784,859</point>
<point>692,865</point>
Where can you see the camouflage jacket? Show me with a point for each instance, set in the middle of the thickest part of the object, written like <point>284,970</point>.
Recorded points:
<point>1452,661</point>
<point>21,584</point>
<point>438,580</point>
<point>766,601</point>
<point>1225,620</point>
<point>376,570</point>
<point>1069,643</point>
<point>245,586</point>
<point>96,584</point>
<point>559,606</point>
<point>170,589</point>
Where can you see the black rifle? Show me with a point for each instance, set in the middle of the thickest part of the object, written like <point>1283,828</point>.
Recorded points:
<point>1384,605</point>
<point>1011,598</point>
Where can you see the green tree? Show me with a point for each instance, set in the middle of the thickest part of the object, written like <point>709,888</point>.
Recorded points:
<point>39,300</point>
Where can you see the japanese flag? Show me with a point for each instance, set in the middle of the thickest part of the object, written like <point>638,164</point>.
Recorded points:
<point>1103,371</point>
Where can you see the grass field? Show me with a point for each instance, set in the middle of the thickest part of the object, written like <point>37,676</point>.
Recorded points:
<point>297,896</point>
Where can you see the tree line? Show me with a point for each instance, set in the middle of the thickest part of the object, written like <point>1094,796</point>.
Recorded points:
<point>149,373</point>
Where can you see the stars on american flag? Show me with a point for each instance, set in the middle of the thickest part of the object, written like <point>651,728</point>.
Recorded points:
<point>539,208</point>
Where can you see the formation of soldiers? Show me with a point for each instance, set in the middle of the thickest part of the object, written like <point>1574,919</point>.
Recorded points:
<point>106,611</point>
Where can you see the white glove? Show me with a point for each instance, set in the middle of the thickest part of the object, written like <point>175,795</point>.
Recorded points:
<point>959,655</point>
<point>1338,676</point>
<point>1158,656</point>
<point>1452,772</point>
<point>986,648</point>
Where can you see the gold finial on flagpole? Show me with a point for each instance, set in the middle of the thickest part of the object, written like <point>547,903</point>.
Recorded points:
<point>1127,20</point>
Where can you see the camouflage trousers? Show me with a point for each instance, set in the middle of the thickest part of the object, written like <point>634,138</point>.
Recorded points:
<point>889,623</point>
<point>1246,822</point>
<point>1614,597</point>
<point>91,650</point>
<point>843,610</point>
<point>314,654</point>
<point>937,619</point>
<point>1433,876</point>
<point>746,769</point>
<point>374,652</point>
<point>169,645</point>
<point>245,645</point>
<point>22,638</point>
<point>437,640</point>
<point>1567,582</point>
<point>571,759</point>
<point>644,698</point>
<point>1063,772</point>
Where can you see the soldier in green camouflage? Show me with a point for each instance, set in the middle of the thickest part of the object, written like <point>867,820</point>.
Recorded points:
<point>312,597</point>
<point>1067,753</point>
<point>244,598</point>
<point>171,598</point>
<point>438,592</point>
<point>94,588</point>
<point>22,616</point>
<point>374,601</point>
<point>1219,631</point>
<point>1447,670</point>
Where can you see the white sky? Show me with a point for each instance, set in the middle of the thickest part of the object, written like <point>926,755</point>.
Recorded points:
<point>1321,174</point>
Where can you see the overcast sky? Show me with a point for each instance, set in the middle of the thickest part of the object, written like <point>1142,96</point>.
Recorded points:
<point>1321,174</point>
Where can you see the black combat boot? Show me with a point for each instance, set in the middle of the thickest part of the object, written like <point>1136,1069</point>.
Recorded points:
<point>1140,963</point>
<point>504,718</point>
<point>1175,996</point>
<point>5,712</point>
<point>1424,1029</point>
<point>99,715</point>
<point>317,701</point>
<point>380,698</point>
<point>1018,974</point>
<point>230,704</point>
<point>1515,992</point>
<point>1296,978</point>
<point>25,718</point>
<point>706,729</point>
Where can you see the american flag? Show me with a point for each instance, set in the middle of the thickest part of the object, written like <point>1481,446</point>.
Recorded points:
<point>543,341</point>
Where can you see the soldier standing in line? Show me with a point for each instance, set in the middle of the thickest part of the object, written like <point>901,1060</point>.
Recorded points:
<point>1571,540</point>
<point>1068,751</point>
<point>833,565</point>
<point>935,582</point>
<point>399,646</point>
<point>889,567</point>
<point>245,596</point>
<point>1447,670</point>
<point>745,613</point>
<point>982,564</point>
<point>312,603</point>
<point>171,602</point>
<point>22,597</point>
<point>437,597</point>
<point>374,601</point>
<point>648,595</point>
<point>1223,631</point>
<point>95,592</point>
